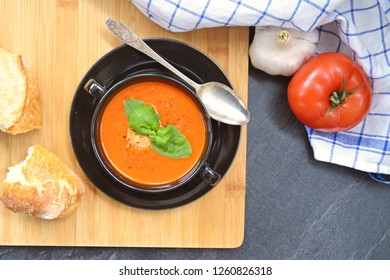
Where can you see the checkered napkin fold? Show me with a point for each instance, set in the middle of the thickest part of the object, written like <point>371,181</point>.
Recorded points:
<point>360,29</point>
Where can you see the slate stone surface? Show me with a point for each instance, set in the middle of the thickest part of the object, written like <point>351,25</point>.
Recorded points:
<point>296,207</point>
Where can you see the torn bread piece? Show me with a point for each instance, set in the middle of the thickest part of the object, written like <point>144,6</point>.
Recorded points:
<point>20,104</point>
<point>42,185</point>
<point>137,141</point>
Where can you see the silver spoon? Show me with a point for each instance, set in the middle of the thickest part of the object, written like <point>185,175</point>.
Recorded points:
<point>222,103</point>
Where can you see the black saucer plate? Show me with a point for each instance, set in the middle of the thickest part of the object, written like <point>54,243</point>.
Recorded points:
<point>123,62</point>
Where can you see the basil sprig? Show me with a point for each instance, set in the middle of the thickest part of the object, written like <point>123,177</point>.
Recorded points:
<point>142,118</point>
<point>167,141</point>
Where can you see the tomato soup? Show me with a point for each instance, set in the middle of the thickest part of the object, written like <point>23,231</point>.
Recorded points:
<point>131,154</point>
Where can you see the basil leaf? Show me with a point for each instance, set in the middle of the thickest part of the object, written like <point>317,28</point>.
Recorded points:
<point>170,142</point>
<point>130,104</point>
<point>142,118</point>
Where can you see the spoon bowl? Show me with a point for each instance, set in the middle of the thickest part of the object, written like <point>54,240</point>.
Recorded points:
<point>222,103</point>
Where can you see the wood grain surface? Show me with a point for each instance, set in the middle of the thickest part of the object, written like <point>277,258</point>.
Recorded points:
<point>61,40</point>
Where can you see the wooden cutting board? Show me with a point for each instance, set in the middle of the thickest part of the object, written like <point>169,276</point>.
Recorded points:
<point>61,40</point>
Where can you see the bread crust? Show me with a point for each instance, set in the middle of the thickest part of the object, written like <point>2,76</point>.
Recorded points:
<point>42,186</point>
<point>30,116</point>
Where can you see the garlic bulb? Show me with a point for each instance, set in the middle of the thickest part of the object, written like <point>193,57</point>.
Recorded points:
<point>281,51</point>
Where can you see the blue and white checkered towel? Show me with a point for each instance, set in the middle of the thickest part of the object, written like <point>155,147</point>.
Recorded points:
<point>360,29</point>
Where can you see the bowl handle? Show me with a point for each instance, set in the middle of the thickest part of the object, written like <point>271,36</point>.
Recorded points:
<point>209,175</point>
<point>95,89</point>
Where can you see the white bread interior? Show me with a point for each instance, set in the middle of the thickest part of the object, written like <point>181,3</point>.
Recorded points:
<point>136,140</point>
<point>42,186</point>
<point>20,104</point>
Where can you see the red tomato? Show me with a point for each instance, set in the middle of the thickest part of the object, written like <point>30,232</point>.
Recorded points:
<point>330,92</point>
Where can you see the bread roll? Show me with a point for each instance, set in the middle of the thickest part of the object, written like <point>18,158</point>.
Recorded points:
<point>20,105</point>
<point>42,186</point>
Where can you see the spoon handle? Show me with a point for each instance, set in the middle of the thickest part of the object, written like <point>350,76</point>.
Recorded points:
<point>125,34</point>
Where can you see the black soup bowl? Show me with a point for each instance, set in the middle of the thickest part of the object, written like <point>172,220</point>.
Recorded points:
<point>200,168</point>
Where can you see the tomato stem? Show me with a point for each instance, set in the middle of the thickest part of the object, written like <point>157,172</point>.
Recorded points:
<point>338,97</point>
